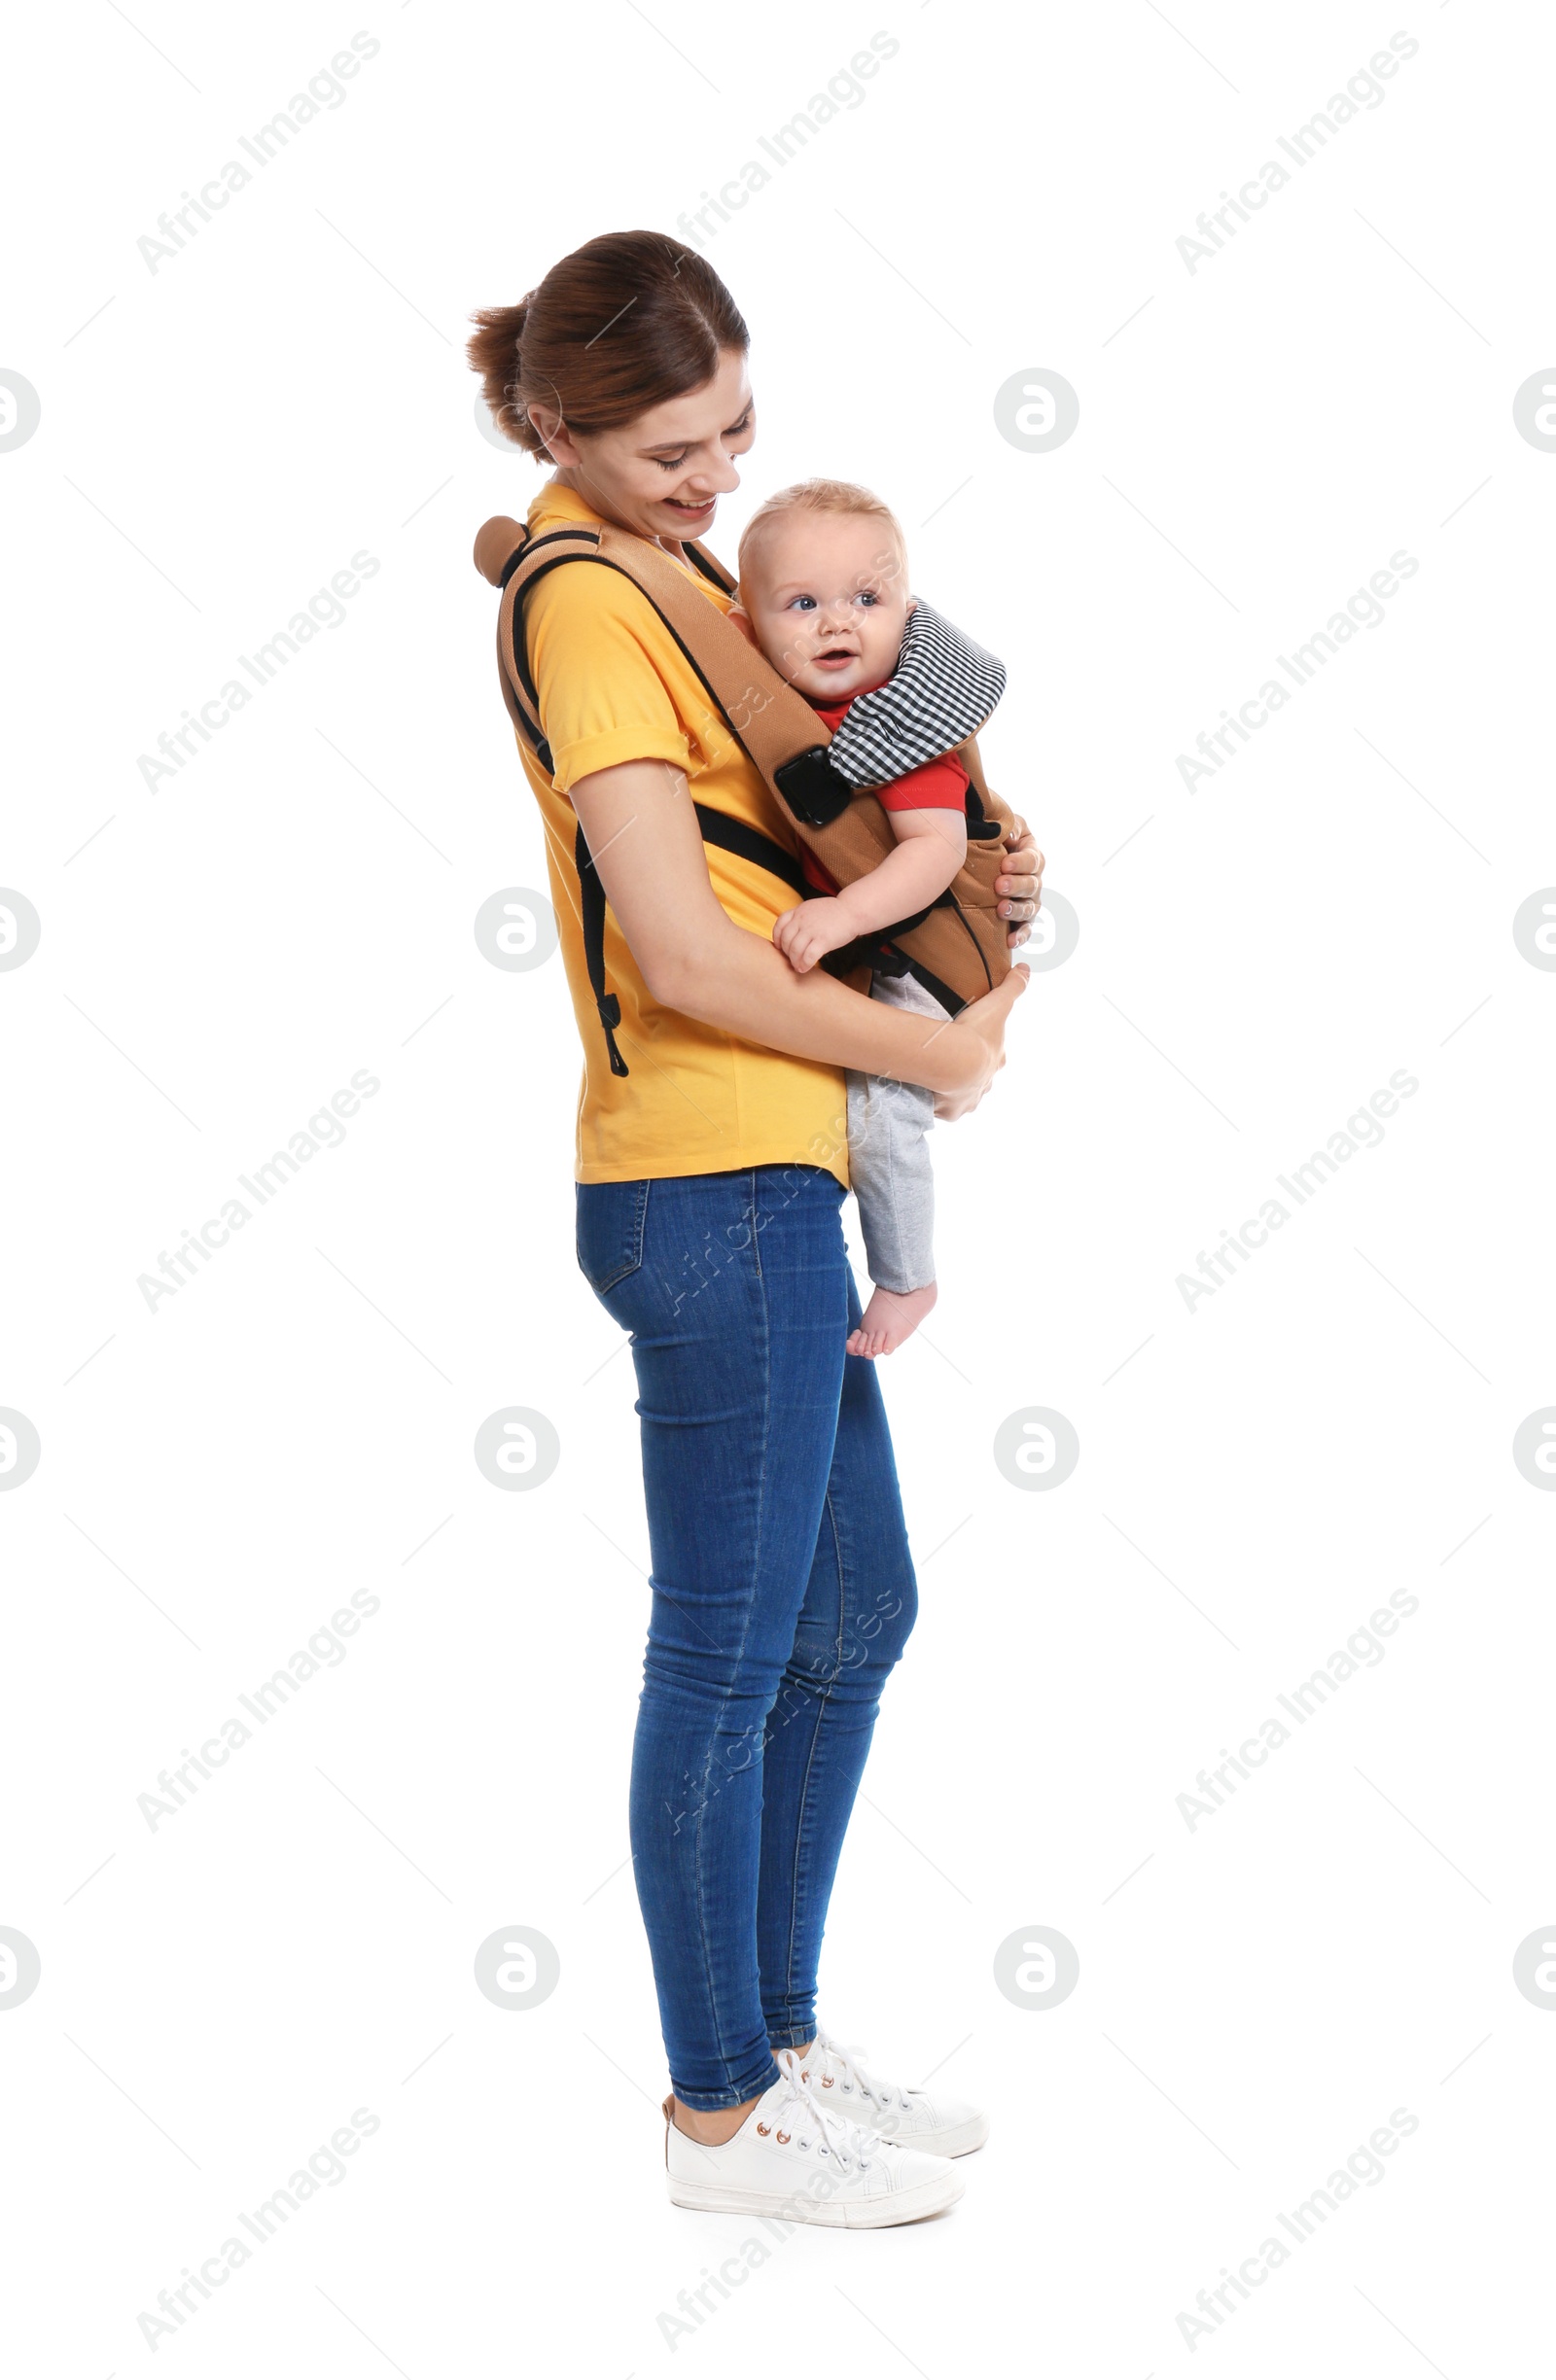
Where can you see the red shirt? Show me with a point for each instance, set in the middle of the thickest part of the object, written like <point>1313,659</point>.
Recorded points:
<point>939,785</point>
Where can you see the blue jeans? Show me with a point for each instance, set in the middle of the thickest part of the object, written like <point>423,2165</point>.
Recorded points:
<point>783,1592</point>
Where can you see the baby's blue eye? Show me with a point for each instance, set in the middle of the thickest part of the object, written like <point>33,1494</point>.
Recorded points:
<point>866,597</point>
<point>803,602</point>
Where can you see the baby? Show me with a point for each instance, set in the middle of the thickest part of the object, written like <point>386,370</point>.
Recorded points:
<point>823,595</point>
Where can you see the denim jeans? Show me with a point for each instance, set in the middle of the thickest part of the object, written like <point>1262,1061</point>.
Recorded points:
<point>783,1592</point>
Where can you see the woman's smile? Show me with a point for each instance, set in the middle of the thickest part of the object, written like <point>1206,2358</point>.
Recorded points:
<point>694,515</point>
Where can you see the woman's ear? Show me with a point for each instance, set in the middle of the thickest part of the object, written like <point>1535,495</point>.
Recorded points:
<point>559,440</point>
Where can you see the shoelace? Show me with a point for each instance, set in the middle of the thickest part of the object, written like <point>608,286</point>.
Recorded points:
<point>847,2061</point>
<point>849,2142</point>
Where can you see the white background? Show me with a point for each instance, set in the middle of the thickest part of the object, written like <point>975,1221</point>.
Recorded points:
<point>1256,956</point>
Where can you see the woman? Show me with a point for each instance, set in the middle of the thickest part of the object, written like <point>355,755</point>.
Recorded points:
<point>711,1172</point>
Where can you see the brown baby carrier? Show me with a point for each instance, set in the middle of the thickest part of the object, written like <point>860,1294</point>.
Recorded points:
<point>956,948</point>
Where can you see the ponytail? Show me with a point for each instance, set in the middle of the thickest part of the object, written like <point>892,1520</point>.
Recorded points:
<point>622,324</point>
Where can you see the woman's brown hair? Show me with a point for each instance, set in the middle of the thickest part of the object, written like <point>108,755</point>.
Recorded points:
<point>623,323</point>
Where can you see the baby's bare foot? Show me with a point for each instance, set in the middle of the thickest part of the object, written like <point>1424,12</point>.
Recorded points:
<point>891,1317</point>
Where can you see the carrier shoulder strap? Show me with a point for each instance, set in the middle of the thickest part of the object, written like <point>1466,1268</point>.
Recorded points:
<point>591,912</point>
<point>784,739</point>
<point>777,727</point>
<point>509,558</point>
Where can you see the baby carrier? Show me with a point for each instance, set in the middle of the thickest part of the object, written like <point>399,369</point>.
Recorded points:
<point>943,691</point>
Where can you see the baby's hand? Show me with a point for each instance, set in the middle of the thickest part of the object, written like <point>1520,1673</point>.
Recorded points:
<point>807,933</point>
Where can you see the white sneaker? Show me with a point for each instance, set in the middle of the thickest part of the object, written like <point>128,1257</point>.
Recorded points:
<point>943,2126</point>
<point>797,2161</point>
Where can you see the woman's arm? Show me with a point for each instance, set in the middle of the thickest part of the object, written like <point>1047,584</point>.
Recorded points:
<point>642,831</point>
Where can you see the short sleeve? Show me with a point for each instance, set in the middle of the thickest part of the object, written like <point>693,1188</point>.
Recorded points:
<point>939,785</point>
<point>602,699</point>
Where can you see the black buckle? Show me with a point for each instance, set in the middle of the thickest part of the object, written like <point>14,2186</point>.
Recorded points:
<point>816,792</point>
<point>610,1008</point>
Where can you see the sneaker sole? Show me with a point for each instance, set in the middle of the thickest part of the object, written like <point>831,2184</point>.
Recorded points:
<point>841,2214</point>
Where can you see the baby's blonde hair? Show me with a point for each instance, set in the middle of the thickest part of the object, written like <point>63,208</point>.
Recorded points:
<point>820,496</point>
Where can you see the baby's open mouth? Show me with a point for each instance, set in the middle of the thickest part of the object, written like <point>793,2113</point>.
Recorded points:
<point>836,654</point>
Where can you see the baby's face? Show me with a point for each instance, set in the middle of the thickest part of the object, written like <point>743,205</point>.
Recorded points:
<point>825,596</point>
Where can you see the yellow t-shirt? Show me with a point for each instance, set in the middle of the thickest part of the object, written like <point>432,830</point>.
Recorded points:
<point>613,685</point>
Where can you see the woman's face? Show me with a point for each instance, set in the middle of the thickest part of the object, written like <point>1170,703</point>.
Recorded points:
<point>662,475</point>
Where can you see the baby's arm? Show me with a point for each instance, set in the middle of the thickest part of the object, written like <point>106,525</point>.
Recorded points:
<point>931,847</point>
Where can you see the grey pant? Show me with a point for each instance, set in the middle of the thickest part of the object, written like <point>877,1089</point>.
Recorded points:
<point>887,1161</point>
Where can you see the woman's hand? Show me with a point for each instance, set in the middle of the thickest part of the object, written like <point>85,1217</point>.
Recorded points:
<point>983,1021</point>
<point>1020,888</point>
